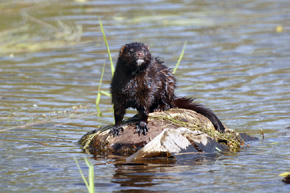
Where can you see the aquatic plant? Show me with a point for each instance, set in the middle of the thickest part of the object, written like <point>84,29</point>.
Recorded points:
<point>36,34</point>
<point>91,184</point>
<point>180,57</point>
<point>107,46</point>
<point>99,92</point>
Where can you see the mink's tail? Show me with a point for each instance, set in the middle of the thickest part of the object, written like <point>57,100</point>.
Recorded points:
<point>187,103</point>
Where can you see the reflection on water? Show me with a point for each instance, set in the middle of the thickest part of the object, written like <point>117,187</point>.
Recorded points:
<point>52,52</point>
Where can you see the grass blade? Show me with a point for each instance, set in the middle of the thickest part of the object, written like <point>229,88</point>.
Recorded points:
<point>99,91</point>
<point>108,49</point>
<point>180,57</point>
<point>84,179</point>
<point>91,176</point>
<point>284,174</point>
<point>108,94</point>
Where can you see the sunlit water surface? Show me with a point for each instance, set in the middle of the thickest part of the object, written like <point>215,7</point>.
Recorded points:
<point>52,52</point>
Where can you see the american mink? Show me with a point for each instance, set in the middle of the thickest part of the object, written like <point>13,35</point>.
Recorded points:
<point>143,82</point>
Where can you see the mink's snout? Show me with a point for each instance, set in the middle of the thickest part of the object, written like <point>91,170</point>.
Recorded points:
<point>140,54</point>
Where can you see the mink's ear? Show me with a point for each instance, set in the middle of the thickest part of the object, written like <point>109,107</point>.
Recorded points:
<point>122,49</point>
<point>147,46</point>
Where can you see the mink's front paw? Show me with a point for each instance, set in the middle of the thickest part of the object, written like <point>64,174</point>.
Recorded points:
<point>116,130</point>
<point>141,128</point>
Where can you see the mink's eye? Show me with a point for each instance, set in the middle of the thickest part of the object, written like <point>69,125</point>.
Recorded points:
<point>131,51</point>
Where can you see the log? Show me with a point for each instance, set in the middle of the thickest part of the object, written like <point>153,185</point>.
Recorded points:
<point>172,133</point>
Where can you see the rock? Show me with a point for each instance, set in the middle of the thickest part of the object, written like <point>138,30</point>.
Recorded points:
<point>286,179</point>
<point>172,134</point>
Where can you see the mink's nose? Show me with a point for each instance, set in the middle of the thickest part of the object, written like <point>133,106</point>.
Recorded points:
<point>140,54</point>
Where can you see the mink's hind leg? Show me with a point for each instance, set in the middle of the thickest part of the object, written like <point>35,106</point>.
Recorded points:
<point>160,106</point>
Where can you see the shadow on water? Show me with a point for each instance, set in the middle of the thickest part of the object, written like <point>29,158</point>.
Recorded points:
<point>51,55</point>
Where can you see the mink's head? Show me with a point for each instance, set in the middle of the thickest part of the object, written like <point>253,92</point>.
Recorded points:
<point>135,57</point>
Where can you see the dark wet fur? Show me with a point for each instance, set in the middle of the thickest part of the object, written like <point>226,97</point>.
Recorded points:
<point>147,87</point>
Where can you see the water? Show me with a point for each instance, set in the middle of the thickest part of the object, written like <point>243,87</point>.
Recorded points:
<point>236,62</point>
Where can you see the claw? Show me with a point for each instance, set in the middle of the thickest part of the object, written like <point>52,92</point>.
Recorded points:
<point>142,128</point>
<point>116,130</point>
